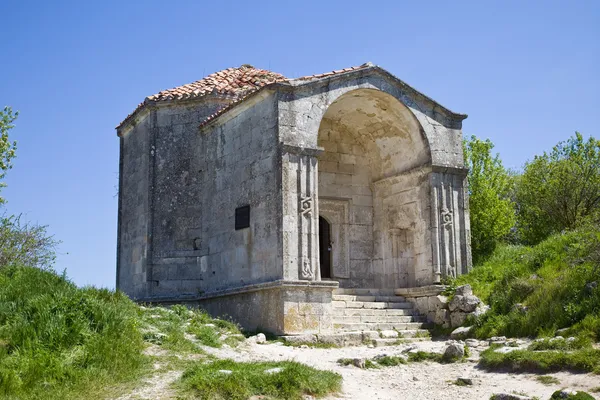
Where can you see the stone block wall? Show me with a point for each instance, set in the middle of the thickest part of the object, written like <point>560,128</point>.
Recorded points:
<point>134,210</point>
<point>279,307</point>
<point>204,178</point>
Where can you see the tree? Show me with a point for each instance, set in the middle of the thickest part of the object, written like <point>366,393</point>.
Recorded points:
<point>559,190</point>
<point>7,148</point>
<point>490,187</point>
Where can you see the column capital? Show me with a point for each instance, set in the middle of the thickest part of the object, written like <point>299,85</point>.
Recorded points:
<point>301,151</point>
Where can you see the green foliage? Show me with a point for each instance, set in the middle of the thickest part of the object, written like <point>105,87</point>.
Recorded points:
<point>490,186</point>
<point>583,360</point>
<point>558,395</point>
<point>294,381</point>
<point>55,338</point>
<point>533,291</point>
<point>25,244</point>
<point>7,148</point>
<point>559,190</point>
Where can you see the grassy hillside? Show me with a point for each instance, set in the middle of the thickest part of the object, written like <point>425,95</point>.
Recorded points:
<point>57,339</point>
<point>533,291</point>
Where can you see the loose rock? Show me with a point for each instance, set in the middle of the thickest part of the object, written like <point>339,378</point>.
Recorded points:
<point>461,333</point>
<point>454,351</point>
<point>509,396</point>
<point>273,370</point>
<point>465,381</point>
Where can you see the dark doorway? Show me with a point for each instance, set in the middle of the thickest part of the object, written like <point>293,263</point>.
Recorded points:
<point>325,247</point>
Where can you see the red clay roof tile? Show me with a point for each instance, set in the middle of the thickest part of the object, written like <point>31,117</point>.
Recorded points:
<point>233,83</point>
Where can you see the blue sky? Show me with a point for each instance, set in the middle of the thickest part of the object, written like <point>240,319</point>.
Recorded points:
<point>525,72</point>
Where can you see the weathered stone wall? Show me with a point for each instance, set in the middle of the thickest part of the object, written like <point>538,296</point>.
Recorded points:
<point>402,255</point>
<point>344,172</point>
<point>134,211</point>
<point>202,177</point>
<point>279,307</point>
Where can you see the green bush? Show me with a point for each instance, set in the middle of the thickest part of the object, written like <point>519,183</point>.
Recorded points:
<point>55,337</point>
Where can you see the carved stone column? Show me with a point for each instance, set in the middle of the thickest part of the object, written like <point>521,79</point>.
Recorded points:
<point>300,213</point>
<point>450,227</point>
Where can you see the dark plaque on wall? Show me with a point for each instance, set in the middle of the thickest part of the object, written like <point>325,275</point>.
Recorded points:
<point>242,217</point>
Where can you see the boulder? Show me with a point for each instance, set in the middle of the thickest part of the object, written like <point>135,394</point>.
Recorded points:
<point>461,333</point>
<point>466,303</point>
<point>442,317</point>
<point>457,318</point>
<point>454,351</point>
<point>359,362</point>
<point>472,343</point>
<point>258,339</point>
<point>437,302</point>
<point>464,290</point>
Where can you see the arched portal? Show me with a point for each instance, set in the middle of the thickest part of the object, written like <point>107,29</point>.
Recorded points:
<point>375,165</point>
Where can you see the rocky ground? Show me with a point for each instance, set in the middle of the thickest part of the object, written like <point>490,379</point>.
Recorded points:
<point>417,380</point>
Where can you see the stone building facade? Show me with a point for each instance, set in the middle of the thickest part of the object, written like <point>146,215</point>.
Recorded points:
<point>257,196</point>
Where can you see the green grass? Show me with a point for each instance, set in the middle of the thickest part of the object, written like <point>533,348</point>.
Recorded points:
<point>579,396</point>
<point>559,343</point>
<point>59,341</point>
<point>549,279</point>
<point>204,381</point>
<point>547,380</point>
<point>582,360</point>
<point>392,361</point>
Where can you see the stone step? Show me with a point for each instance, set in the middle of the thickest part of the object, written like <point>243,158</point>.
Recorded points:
<point>362,326</point>
<point>372,311</point>
<point>371,305</point>
<point>365,292</point>
<point>357,338</point>
<point>375,319</point>
<point>385,299</point>
<point>418,335</point>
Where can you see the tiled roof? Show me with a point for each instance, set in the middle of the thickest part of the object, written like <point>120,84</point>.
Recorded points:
<point>233,83</point>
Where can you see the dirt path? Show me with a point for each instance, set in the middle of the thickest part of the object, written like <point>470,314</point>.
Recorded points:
<point>422,380</point>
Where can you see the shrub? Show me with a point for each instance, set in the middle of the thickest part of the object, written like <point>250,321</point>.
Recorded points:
<point>25,244</point>
<point>559,190</point>
<point>491,210</point>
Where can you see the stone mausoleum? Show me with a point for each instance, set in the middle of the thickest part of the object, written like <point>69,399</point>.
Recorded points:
<point>329,202</point>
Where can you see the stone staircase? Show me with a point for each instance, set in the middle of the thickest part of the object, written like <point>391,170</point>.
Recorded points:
<point>378,311</point>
